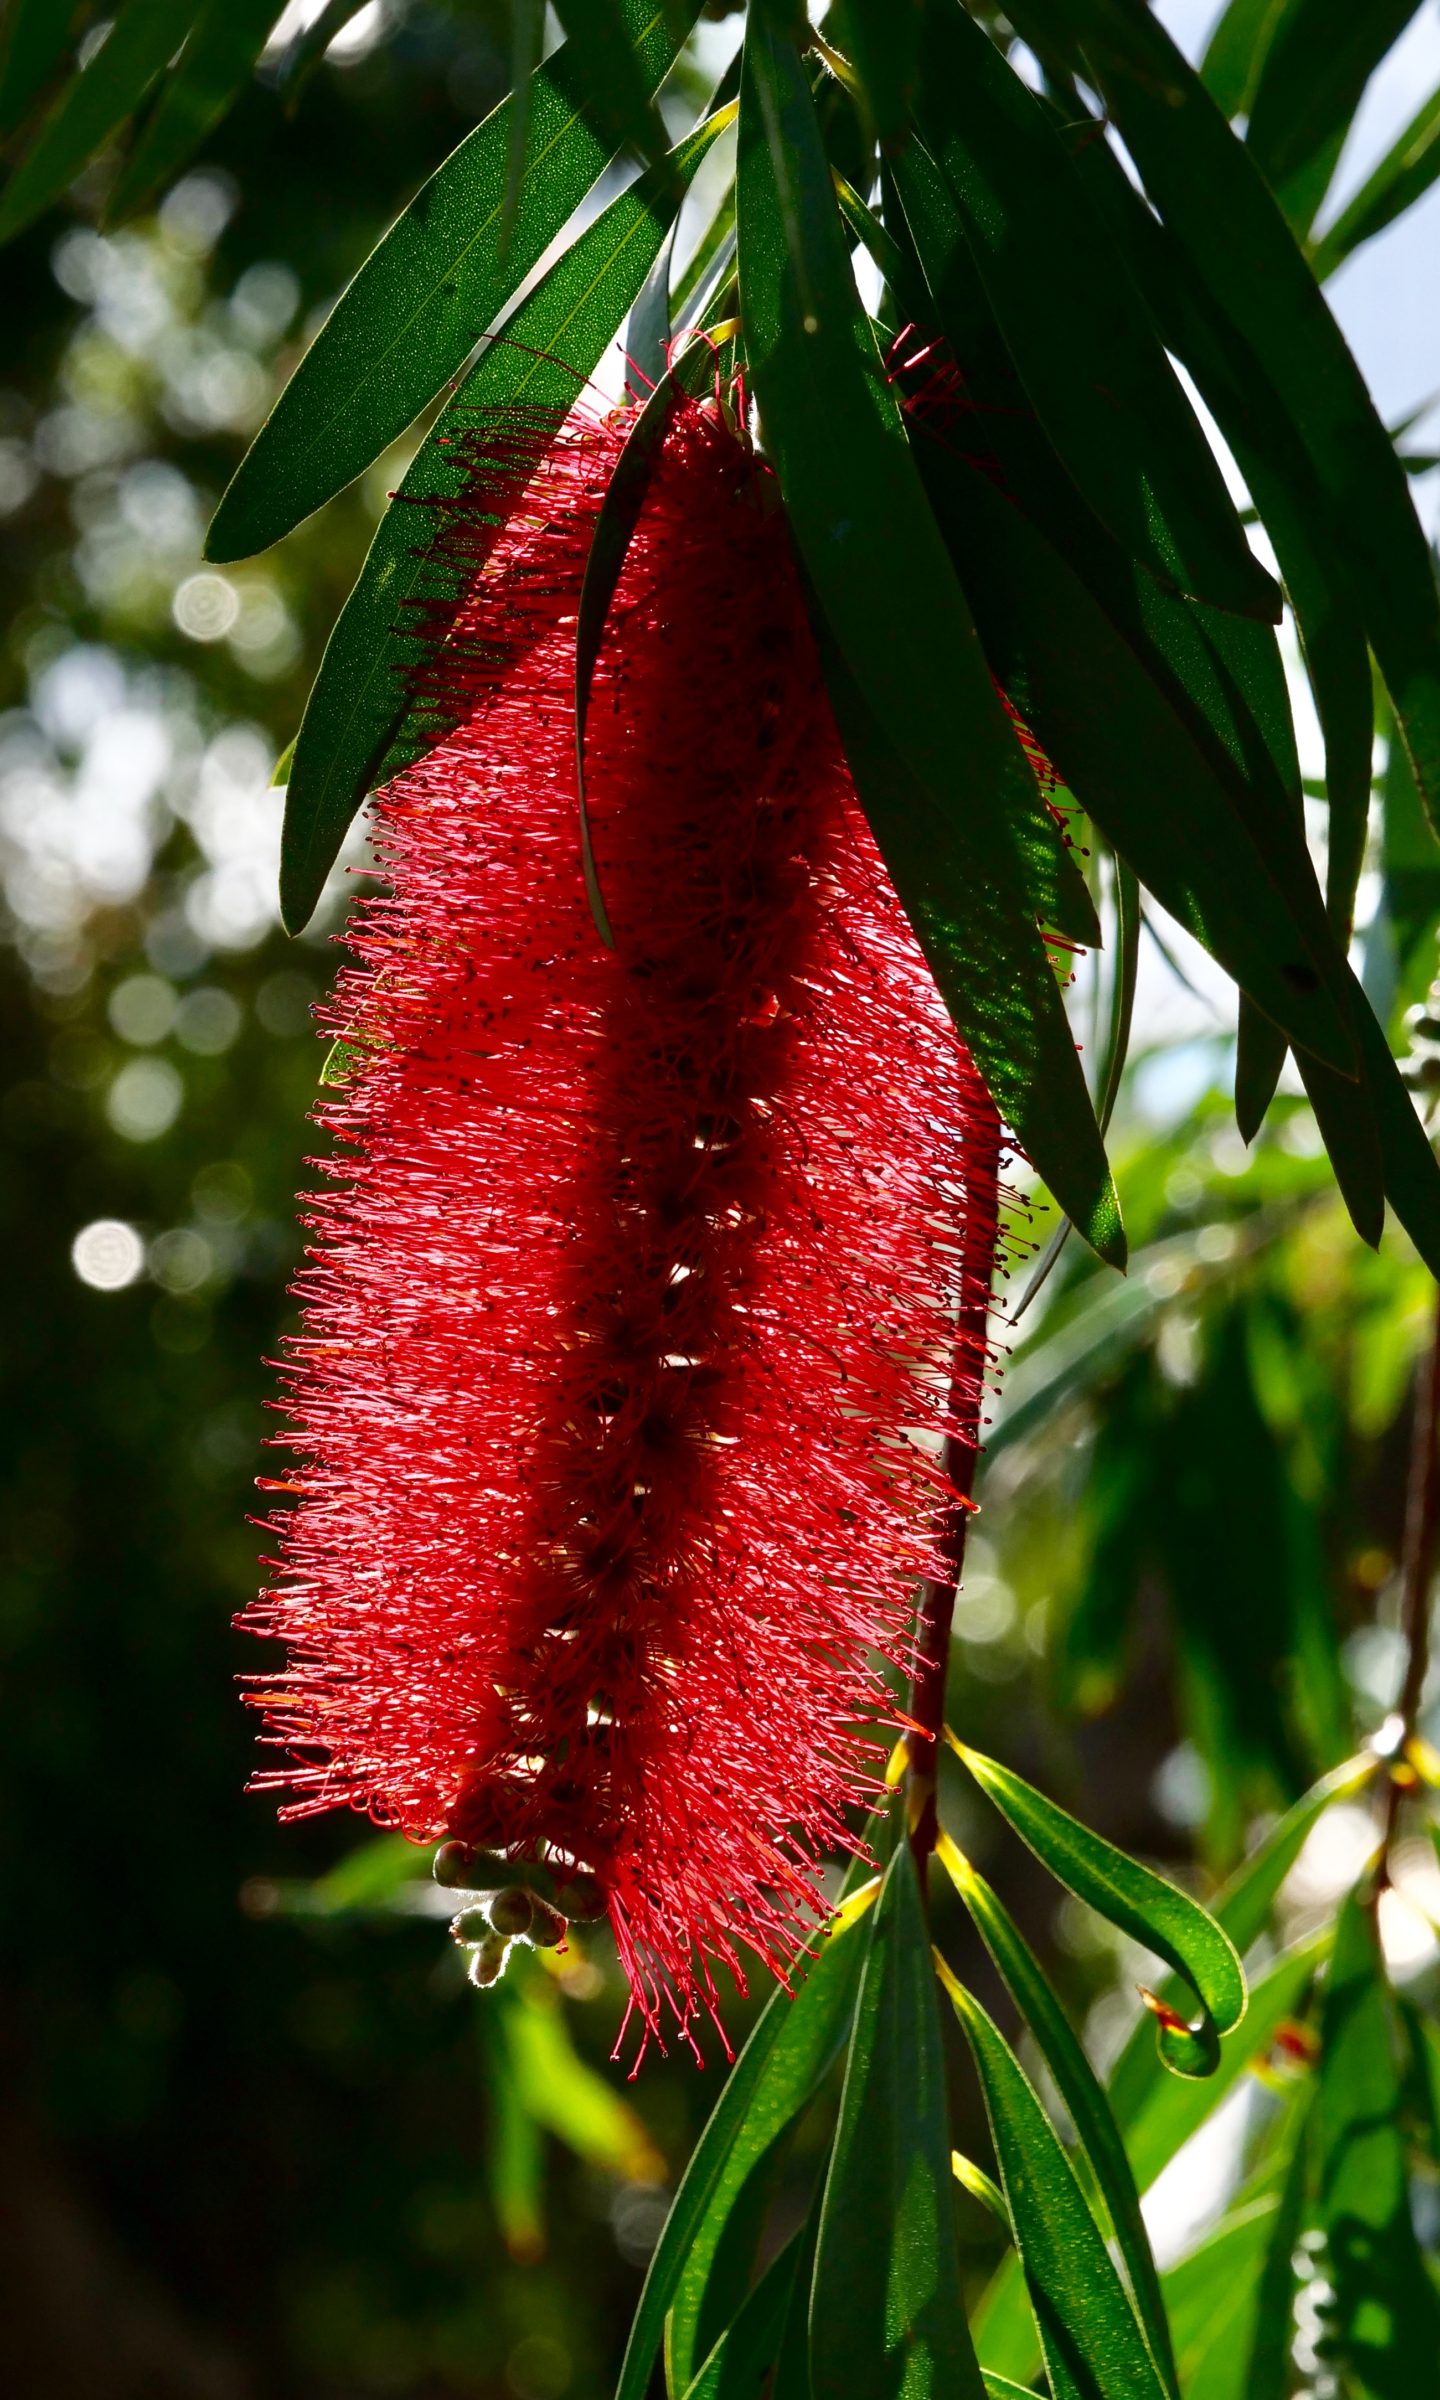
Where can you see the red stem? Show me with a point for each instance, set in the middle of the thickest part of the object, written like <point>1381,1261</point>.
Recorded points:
<point>937,1599</point>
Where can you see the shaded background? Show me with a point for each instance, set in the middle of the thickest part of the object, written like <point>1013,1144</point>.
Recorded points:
<point>260,2138</point>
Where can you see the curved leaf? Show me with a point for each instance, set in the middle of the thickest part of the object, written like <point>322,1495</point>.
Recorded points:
<point>1403,176</point>
<point>886,2317</point>
<point>1144,1905</point>
<point>1092,2344</point>
<point>1075,325</point>
<point>1079,2088</point>
<point>1173,2109</point>
<point>782,2065</point>
<point>832,423</point>
<point>214,67</point>
<point>142,39</point>
<point>425,295</point>
<point>545,353</point>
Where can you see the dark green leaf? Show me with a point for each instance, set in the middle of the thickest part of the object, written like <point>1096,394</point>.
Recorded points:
<point>423,298</point>
<point>1076,327</point>
<point>602,39</point>
<point>1410,860</point>
<point>1260,1053</point>
<point>883,40</point>
<point>1315,71</point>
<point>1384,2325</point>
<point>1143,1904</point>
<point>527,48</point>
<point>748,2347</point>
<point>1236,52</point>
<point>36,38</point>
<point>1115,741</point>
<point>546,352</point>
<point>1079,2088</point>
<point>1220,214</point>
<point>782,2065</point>
<point>1093,2346</point>
<point>832,422</point>
<point>213,69</point>
<point>886,2317</point>
<point>791,2379</point>
<point>110,87</point>
<point>1403,176</point>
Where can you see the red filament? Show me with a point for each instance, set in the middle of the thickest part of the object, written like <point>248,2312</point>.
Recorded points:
<point>630,1321</point>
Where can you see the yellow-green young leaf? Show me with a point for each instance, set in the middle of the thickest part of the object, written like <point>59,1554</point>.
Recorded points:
<point>1242,1909</point>
<point>1102,2149</point>
<point>1403,176</point>
<point>887,2321</point>
<point>1217,208</point>
<point>1089,2334</point>
<point>425,295</point>
<point>1142,1904</point>
<point>143,37</point>
<point>548,348</point>
<point>832,423</point>
<point>1076,327</point>
<point>212,70</point>
<point>1383,2323</point>
<point>999,2387</point>
<point>787,2057</point>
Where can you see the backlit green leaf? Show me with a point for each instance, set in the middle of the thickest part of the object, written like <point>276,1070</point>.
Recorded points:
<point>423,298</point>
<point>1174,2109</point>
<point>886,2317</point>
<point>616,79</point>
<point>1237,49</point>
<point>1315,71</point>
<point>1403,176</point>
<point>736,2366</point>
<point>1143,1904</point>
<point>142,38</point>
<point>213,69</point>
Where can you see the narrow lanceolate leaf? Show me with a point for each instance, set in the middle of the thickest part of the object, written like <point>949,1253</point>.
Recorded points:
<point>749,2345</point>
<point>1175,2109</point>
<point>1220,212</point>
<point>542,358</point>
<point>1383,2326</point>
<point>1092,2342</point>
<point>425,295</point>
<point>832,423</point>
<point>1075,325</point>
<point>1267,2367</point>
<point>786,2058</point>
<point>620,88</point>
<point>1210,2295</point>
<point>1237,50</point>
<point>883,39</point>
<point>1079,2088</point>
<point>1403,176</point>
<point>35,39</point>
<point>143,37</point>
<point>886,2317</point>
<point>213,69</point>
<point>1315,70</point>
<point>1143,1904</point>
<point>1242,1909</point>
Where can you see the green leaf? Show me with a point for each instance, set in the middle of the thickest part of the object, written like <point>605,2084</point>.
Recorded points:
<point>1210,2295</point>
<point>36,38</point>
<point>1075,325</point>
<point>214,67</point>
<point>791,2379</point>
<point>311,43</point>
<point>886,2317</point>
<point>556,2087</point>
<point>883,40</point>
<point>1116,741</point>
<point>423,298</point>
<point>1403,176</point>
<point>1272,2330</point>
<point>109,88</point>
<point>546,351</point>
<point>1143,1904</point>
<point>615,78</point>
<point>999,2387</point>
<point>1101,2146</point>
<point>832,423</point>
<point>1410,860</point>
<point>1093,2346</point>
<point>1223,219</point>
<point>786,2059</point>
<point>1237,49</point>
<point>1323,55</point>
<point>737,2364</point>
<point>1174,2109</point>
<point>1384,2324</point>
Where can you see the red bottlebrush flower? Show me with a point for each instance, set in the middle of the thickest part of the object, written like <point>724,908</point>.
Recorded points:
<point>630,1336</point>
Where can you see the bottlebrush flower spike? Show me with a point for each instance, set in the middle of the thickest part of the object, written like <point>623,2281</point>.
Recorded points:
<point>629,1346</point>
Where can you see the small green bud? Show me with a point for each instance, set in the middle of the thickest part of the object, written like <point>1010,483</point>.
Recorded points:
<point>472,1925</point>
<point>582,1900</point>
<point>487,1961</point>
<point>451,1866</point>
<point>547,1928</point>
<point>511,1911</point>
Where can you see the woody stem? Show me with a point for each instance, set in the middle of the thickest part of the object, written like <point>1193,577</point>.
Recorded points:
<point>937,1598</point>
<point>1422,1522</point>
